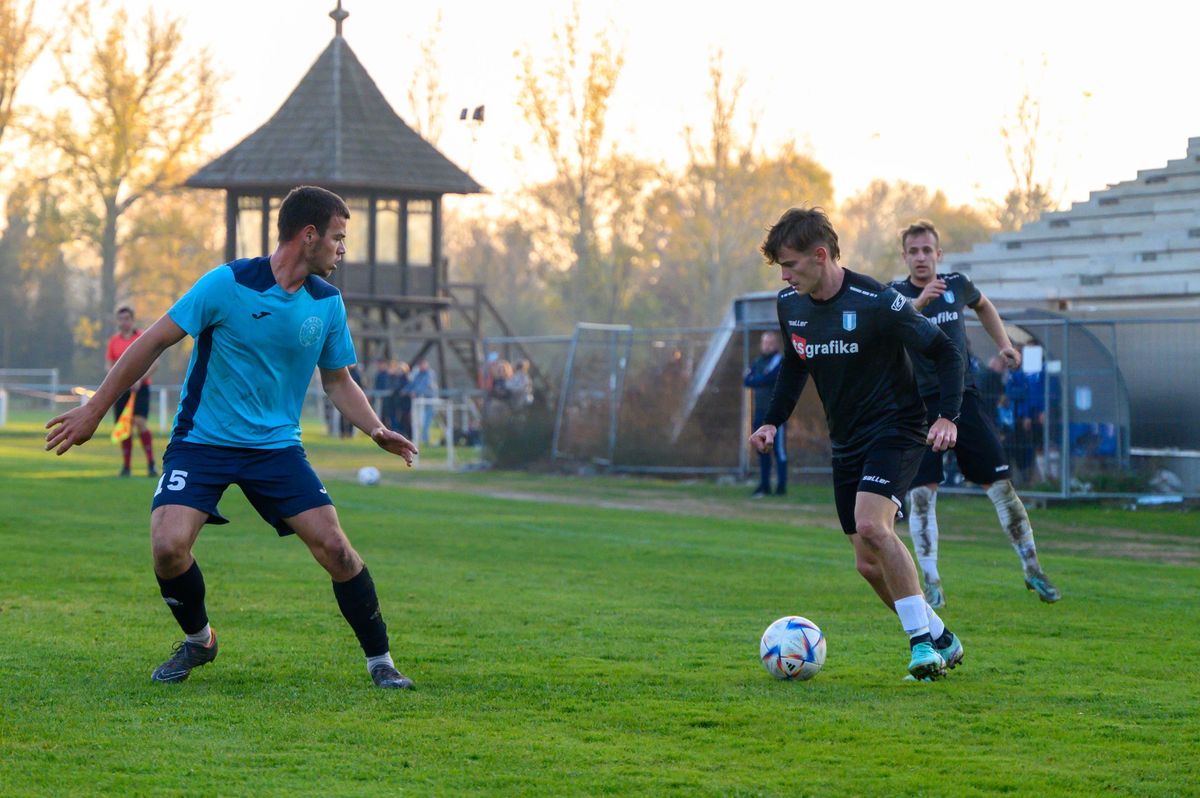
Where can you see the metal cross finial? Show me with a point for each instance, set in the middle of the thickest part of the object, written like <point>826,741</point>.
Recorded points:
<point>338,15</point>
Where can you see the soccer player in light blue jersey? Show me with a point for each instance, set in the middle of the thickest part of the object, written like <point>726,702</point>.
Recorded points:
<point>261,326</point>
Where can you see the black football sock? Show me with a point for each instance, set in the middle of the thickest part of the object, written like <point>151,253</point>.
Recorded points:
<point>184,594</point>
<point>360,607</point>
<point>945,640</point>
<point>921,638</point>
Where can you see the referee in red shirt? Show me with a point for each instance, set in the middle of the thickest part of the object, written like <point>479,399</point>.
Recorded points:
<point>126,334</point>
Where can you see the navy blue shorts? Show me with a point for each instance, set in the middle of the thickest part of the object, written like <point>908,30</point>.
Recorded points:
<point>885,468</point>
<point>278,482</point>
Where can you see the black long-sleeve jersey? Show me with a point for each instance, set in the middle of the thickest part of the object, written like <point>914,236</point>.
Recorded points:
<point>853,344</point>
<point>949,311</point>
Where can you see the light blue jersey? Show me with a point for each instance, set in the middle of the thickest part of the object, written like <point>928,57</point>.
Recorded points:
<point>255,350</point>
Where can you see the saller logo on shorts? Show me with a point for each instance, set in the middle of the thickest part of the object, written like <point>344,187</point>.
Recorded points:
<point>835,347</point>
<point>873,478</point>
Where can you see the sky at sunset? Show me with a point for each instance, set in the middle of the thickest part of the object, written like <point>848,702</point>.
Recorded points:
<point>899,91</point>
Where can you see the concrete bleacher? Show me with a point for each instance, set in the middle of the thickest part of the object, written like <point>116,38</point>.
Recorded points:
<point>1138,238</point>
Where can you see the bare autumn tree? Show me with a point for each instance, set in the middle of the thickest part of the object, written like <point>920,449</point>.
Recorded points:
<point>1029,198</point>
<point>706,223</point>
<point>20,44</point>
<point>426,98</point>
<point>869,224</point>
<point>146,104</point>
<point>566,101</point>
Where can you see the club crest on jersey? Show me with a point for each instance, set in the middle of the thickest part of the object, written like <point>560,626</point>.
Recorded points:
<point>898,302</point>
<point>849,320</point>
<point>949,297</point>
<point>310,330</point>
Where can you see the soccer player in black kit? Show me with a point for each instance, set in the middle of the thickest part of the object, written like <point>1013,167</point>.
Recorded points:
<point>850,332</point>
<point>944,299</point>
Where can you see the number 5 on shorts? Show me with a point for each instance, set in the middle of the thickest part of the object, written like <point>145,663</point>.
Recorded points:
<point>178,481</point>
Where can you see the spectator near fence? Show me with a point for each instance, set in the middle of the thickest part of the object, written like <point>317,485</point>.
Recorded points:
<point>520,388</point>
<point>760,379</point>
<point>423,385</point>
<point>125,335</point>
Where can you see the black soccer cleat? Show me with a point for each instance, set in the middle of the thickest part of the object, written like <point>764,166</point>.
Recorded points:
<point>389,678</point>
<point>184,657</point>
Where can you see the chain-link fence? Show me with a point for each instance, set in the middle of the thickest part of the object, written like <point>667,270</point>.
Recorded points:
<point>1100,406</point>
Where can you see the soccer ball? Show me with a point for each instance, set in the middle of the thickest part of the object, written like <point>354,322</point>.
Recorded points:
<point>368,475</point>
<point>792,648</point>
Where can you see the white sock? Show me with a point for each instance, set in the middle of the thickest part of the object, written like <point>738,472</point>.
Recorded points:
<point>913,615</point>
<point>201,638</point>
<point>929,569</point>
<point>384,657</point>
<point>1015,523</point>
<point>936,627</point>
<point>923,529</point>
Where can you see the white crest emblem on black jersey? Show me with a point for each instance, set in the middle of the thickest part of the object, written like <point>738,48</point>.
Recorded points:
<point>849,320</point>
<point>898,302</point>
<point>949,297</point>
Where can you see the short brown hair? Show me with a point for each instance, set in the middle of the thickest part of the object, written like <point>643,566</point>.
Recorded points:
<point>305,205</point>
<point>917,228</point>
<point>800,229</point>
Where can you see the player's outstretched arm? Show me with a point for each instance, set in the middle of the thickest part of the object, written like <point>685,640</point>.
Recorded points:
<point>989,317</point>
<point>77,425</point>
<point>352,403</point>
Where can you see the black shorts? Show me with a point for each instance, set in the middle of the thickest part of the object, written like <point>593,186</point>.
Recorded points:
<point>278,482</point>
<point>141,403</point>
<point>886,468</point>
<point>980,453</point>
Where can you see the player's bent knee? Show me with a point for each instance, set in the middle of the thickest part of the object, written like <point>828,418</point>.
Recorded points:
<point>871,530</point>
<point>337,556</point>
<point>173,531</point>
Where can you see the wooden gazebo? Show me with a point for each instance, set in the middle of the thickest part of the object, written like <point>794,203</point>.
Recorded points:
<point>336,130</point>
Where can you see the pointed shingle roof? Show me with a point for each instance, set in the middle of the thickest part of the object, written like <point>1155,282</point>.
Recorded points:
<point>336,130</point>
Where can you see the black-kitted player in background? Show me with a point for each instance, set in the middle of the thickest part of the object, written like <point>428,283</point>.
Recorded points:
<point>944,299</point>
<point>849,332</point>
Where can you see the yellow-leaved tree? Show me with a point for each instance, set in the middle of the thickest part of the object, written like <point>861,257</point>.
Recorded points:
<point>144,106</point>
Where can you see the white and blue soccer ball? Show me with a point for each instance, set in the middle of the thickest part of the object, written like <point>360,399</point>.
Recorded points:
<point>368,475</point>
<point>793,648</point>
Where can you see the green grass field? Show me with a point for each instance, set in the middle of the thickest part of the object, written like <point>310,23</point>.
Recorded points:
<point>581,637</point>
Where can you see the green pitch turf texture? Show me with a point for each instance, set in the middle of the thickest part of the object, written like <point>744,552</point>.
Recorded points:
<point>577,636</point>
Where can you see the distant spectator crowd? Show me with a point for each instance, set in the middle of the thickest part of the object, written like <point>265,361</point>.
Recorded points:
<point>1017,399</point>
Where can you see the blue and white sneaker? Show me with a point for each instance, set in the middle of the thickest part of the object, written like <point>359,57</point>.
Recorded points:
<point>1041,584</point>
<point>926,663</point>
<point>953,653</point>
